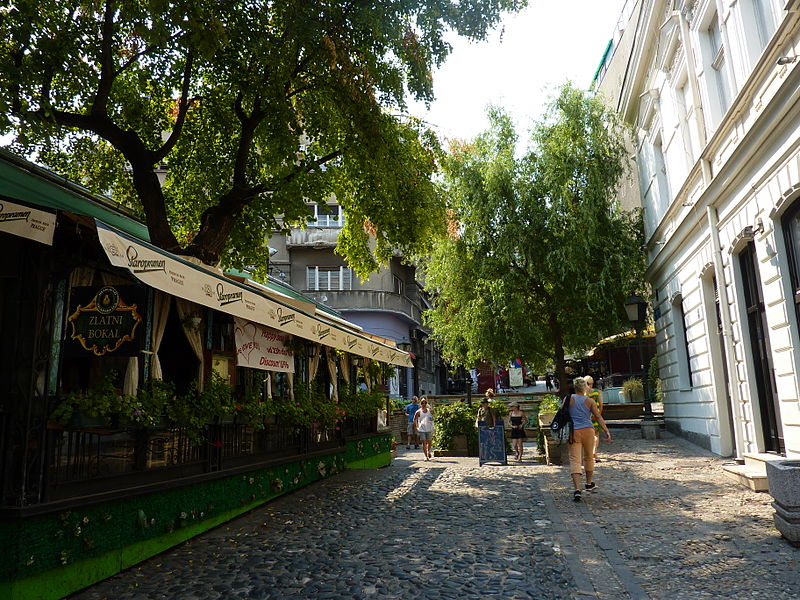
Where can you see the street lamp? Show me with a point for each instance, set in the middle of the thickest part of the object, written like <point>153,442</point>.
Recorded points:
<point>468,381</point>
<point>636,307</point>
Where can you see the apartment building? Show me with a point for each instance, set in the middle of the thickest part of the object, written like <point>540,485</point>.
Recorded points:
<point>388,304</point>
<point>711,90</point>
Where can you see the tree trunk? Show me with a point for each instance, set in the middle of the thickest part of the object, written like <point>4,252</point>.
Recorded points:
<point>558,347</point>
<point>216,225</point>
<point>148,188</point>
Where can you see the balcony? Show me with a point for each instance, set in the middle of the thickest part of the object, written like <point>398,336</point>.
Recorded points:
<point>368,300</point>
<point>313,237</point>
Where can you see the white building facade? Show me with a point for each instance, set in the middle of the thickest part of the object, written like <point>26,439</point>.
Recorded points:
<point>712,91</point>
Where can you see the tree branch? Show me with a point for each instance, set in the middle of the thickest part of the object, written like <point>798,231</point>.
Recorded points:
<point>183,110</point>
<point>100,104</point>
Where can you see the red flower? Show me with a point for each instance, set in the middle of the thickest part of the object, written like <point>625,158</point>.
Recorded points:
<point>238,407</point>
<point>217,444</point>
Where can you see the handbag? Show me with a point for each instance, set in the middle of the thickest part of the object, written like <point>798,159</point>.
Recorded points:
<point>561,426</point>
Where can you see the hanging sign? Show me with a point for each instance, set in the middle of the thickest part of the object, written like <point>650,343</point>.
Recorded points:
<point>26,222</point>
<point>515,377</point>
<point>104,321</point>
<point>259,347</point>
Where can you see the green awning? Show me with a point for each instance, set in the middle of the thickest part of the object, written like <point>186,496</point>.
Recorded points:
<point>24,181</point>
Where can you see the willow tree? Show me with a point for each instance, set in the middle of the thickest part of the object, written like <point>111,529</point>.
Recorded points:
<point>253,108</point>
<point>540,257</point>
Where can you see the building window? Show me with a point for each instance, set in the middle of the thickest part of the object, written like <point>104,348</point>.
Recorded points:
<point>399,286</point>
<point>685,110</point>
<point>719,88</point>
<point>681,344</point>
<point>326,215</point>
<point>329,278</point>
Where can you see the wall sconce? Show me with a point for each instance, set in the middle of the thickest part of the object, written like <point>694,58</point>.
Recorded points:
<point>786,60</point>
<point>749,233</point>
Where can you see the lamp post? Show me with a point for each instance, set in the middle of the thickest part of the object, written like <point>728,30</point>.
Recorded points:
<point>468,381</point>
<point>636,307</point>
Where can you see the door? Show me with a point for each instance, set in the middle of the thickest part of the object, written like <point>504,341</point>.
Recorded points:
<point>760,351</point>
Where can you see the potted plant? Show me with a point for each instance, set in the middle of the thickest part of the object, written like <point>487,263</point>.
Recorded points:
<point>95,408</point>
<point>455,429</point>
<point>548,407</point>
<point>633,390</point>
<point>153,399</point>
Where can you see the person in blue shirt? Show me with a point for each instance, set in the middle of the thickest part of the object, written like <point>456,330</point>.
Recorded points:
<point>411,410</point>
<point>581,444</point>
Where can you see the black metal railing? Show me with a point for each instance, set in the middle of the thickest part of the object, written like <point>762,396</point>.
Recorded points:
<point>108,459</point>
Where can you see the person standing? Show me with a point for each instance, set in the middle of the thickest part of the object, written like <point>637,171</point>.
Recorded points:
<point>581,444</point>
<point>548,382</point>
<point>411,434</point>
<point>423,422</point>
<point>597,396</point>
<point>486,414</point>
<point>518,421</point>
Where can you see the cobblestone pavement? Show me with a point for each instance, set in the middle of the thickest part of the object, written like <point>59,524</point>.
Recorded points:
<point>665,523</point>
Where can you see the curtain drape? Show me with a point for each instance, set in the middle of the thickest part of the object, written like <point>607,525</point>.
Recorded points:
<point>81,276</point>
<point>313,364</point>
<point>367,379</point>
<point>332,372</point>
<point>194,335</point>
<point>344,367</point>
<point>161,304</point>
<point>290,379</point>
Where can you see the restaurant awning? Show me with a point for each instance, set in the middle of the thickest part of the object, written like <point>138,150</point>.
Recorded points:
<point>174,275</point>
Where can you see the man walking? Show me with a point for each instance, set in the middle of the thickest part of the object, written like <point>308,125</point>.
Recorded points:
<point>411,432</point>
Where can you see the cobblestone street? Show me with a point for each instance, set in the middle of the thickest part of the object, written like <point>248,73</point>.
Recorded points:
<point>665,523</point>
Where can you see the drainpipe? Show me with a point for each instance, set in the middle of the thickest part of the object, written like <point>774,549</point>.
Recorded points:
<point>694,88</point>
<point>727,331</point>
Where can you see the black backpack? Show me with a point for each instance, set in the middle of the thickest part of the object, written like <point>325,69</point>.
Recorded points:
<point>561,426</point>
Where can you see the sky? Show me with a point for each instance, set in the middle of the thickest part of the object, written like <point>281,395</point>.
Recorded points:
<point>550,42</point>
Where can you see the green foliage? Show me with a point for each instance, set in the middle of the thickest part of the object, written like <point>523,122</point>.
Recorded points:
<point>358,403</point>
<point>266,106</point>
<point>550,403</point>
<point>453,420</point>
<point>103,401</point>
<point>196,409</point>
<point>309,407</point>
<point>633,388</point>
<point>538,242</point>
<point>654,380</point>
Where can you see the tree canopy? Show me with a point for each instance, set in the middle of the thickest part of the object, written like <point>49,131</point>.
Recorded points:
<point>540,258</point>
<point>255,108</point>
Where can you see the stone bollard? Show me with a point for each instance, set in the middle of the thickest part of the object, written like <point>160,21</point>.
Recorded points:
<point>651,430</point>
<point>784,486</point>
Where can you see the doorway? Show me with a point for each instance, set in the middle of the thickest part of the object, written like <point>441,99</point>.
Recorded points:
<point>760,351</point>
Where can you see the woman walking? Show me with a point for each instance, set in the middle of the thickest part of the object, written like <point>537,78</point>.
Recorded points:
<point>581,445</point>
<point>595,395</point>
<point>423,421</point>
<point>518,421</point>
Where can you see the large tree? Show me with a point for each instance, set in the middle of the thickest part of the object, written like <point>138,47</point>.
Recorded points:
<point>255,107</point>
<point>540,258</point>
